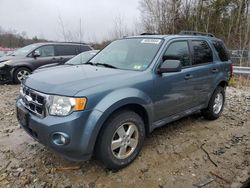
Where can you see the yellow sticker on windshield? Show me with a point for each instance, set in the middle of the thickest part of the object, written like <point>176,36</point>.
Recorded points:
<point>151,41</point>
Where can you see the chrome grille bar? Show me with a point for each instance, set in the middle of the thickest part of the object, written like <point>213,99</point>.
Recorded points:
<point>34,101</point>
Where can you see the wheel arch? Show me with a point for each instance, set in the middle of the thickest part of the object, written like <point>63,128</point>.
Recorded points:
<point>135,107</point>
<point>15,68</point>
<point>223,83</point>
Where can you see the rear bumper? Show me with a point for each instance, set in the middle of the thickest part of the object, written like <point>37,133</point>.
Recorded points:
<point>78,126</point>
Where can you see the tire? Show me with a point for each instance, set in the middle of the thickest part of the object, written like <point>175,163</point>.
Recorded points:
<point>117,158</point>
<point>212,112</point>
<point>20,74</point>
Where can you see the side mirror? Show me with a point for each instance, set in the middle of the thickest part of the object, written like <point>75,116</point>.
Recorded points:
<point>36,54</point>
<point>170,65</point>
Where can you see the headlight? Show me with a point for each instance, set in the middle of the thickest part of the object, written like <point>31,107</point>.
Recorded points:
<point>2,64</point>
<point>63,106</point>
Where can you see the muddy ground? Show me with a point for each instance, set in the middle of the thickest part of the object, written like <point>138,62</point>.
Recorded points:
<point>173,156</point>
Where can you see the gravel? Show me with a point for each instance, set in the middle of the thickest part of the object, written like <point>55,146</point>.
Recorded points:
<point>171,156</point>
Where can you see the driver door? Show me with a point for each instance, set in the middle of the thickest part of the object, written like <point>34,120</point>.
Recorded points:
<point>46,56</point>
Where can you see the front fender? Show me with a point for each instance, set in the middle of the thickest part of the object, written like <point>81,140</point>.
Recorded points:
<point>112,102</point>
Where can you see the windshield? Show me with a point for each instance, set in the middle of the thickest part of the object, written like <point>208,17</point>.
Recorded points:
<point>25,50</point>
<point>130,54</point>
<point>83,57</point>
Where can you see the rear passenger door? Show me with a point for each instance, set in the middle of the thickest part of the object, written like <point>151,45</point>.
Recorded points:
<point>202,71</point>
<point>64,53</point>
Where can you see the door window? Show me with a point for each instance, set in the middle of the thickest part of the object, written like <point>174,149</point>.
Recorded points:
<point>46,51</point>
<point>202,52</point>
<point>64,50</point>
<point>179,50</point>
<point>82,48</point>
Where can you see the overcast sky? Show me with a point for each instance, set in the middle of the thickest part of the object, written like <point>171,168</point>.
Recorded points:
<point>41,17</point>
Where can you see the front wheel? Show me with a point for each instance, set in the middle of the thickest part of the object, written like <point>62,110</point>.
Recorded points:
<point>216,104</point>
<point>121,140</point>
<point>20,74</point>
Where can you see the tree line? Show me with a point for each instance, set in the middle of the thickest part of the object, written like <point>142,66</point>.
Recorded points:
<point>13,39</point>
<point>226,19</point>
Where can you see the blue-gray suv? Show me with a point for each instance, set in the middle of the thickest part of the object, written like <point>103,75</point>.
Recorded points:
<point>108,105</point>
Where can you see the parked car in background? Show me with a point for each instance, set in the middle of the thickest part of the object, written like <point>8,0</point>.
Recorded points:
<point>81,58</point>
<point>17,66</point>
<point>240,57</point>
<point>106,106</point>
<point>6,51</point>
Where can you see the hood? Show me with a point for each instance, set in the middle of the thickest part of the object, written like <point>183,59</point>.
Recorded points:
<point>49,66</point>
<point>69,80</point>
<point>6,58</point>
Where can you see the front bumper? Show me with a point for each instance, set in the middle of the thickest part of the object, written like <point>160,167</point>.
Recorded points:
<point>5,74</point>
<point>78,126</point>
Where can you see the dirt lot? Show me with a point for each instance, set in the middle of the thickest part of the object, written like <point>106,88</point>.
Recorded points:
<point>172,155</point>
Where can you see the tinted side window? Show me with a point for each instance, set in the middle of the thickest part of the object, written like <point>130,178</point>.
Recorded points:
<point>82,48</point>
<point>46,51</point>
<point>221,50</point>
<point>179,50</point>
<point>65,50</point>
<point>202,52</point>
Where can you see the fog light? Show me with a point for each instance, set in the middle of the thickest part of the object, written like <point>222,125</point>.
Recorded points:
<point>60,139</point>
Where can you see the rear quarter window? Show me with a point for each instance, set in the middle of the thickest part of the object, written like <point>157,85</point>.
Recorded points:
<point>221,50</point>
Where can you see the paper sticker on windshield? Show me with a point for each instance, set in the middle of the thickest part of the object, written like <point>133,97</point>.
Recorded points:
<point>137,67</point>
<point>151,41</point>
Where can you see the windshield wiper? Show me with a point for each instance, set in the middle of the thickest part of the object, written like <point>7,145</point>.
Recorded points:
<point>105,65</point>
<point>88,63</point>
<point>101,64</point>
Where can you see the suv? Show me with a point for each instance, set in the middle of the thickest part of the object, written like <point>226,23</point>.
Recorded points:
<point>106,106</point>
<point>17,66</point>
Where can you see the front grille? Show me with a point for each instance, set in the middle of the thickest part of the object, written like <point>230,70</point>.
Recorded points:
<point>34,101</point>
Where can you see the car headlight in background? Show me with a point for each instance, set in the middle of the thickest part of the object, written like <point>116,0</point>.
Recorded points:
<point>2,64</point>
<point>63,106</point>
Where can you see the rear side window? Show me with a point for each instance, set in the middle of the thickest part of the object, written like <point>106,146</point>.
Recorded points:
<point>202,53</point>
<point>179,50</point>
<point>221,50</point>
<point>65,50</point>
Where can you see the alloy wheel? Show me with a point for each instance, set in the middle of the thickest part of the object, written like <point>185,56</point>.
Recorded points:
<point>125,140</point>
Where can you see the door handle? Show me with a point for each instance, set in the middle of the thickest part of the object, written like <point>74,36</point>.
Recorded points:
<point>215,70</point>
<point>188,77</point>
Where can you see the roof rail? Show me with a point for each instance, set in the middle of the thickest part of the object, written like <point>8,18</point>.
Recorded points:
<point>73,43</point>
<point>196,33</point>
<point>149,34</point>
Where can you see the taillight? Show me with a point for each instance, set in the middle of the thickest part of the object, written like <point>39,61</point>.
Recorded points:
<point>231,70</point>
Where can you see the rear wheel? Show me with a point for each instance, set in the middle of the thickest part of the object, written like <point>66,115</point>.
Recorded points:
<point>20,74</point>
<point>121,140</point>
<point>216,104</point>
